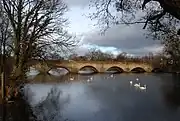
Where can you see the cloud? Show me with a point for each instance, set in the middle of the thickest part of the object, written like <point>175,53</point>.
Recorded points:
<point>156,48</point>
<point>130,39</point>
<point>120,38</point>
<point>81,50</point>
<point>80,3</point>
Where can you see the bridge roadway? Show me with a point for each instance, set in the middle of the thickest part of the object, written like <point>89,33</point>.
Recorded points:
<point>97,66</point>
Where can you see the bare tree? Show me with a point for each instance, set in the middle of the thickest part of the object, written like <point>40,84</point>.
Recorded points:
<point>97,55</point>
<point>37,28</point>
<point>172,49</point>
<point>113,12</point>
<point>160,17</point>
<point>121,56</point>
<point>169,6</point>
<point>5,32</point>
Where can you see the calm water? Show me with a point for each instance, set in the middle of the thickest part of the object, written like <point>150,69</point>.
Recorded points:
<point>105,97</point>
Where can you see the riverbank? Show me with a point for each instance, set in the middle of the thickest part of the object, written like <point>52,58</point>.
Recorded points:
<point>12,94</point>
<point>19,110</point>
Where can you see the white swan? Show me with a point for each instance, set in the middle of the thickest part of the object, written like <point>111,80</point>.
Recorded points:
<point>88,80</point>
<point>111,75</point>
<point>131,82</point>
<point>91,78</point>
<point>143,88</point>
<point>71,78</point>
<point>137,85</point>
<point>137,79</point>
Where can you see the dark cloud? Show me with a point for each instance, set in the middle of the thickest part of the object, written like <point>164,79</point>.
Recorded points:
<point>130,39</point>
<point>121,37</point>
<point>125,38</point>
<point>156,48</point>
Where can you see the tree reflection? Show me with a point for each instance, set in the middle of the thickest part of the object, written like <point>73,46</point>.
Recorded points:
<point>172,92</point>
<point>50,108</point>
<point>47,110</point>
<point>45,78</point>
<point>18,111</point>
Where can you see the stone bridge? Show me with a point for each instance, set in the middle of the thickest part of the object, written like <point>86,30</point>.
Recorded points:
<point>96,66</point>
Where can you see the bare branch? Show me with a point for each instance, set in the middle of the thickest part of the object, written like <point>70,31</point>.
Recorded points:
<point>38,29</point>
<point>125,11</point>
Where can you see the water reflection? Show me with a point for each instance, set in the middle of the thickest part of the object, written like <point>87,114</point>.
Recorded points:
<point>43,78</point>
<point>21,111</point>
<point>86,72</point>
<point>58,72</point>
<point>50,108</point>
<point>32,73</point>
<point>171,91</point>
<point>106,98</point>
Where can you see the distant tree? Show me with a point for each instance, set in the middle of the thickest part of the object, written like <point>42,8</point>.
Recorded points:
<point>108,56</point>
<point>122,56</point>
<point>97,55</point>
<point>90,55</point>
<point>73,56</point>
<point>150,54</point>
<point>81,58</point>
<point>54,56</point>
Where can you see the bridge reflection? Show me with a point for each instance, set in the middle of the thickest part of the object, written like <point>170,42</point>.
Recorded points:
<point>138,70</point>
<point>115,69</point>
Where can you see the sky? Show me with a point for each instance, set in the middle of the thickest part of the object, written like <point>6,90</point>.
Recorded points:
<point>117,39</point>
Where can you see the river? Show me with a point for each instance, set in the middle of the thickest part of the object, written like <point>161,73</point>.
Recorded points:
<point>99,97</point>
<point>105,97</point>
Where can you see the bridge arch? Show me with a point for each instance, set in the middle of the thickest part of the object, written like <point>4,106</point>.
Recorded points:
<point>89,67</point>
<point>61,67</point>
<point>115,68</point>
<point>138,70</point>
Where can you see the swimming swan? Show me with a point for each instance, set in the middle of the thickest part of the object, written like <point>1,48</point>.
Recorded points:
<point>71,78</point>
<point>143,88</point>
<point>137,85</point>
